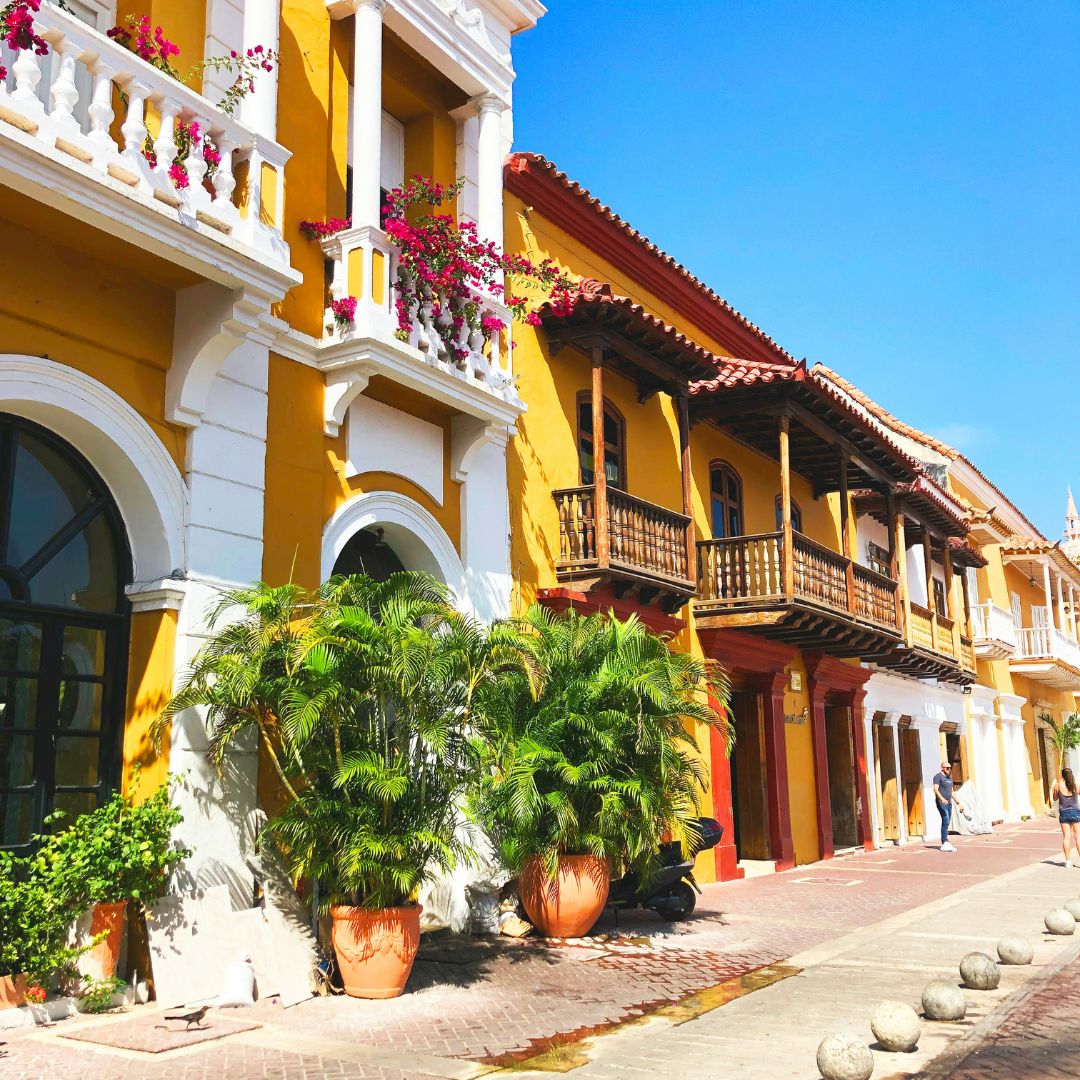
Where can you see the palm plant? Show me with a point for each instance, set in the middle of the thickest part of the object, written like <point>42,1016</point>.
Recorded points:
<point>1064,736</point>
<point>361,694</point>
<point>588,740</point>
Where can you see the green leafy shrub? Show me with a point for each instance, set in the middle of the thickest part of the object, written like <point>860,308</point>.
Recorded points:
<point>34,923</point>
<point>588,740</point>
<point>123,850</point>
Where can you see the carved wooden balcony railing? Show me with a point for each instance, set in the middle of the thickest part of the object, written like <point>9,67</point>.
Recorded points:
<point>834,604</point>
<point>638,545</point>
<point>967,654</point>
<point>922,627</point>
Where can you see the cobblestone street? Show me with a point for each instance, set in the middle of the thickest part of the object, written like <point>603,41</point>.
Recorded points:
<point>474,1006</point>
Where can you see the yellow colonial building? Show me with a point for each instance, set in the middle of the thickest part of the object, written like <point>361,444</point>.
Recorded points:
<point>205,379</point>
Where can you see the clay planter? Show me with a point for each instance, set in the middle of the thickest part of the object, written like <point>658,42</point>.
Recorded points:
<point>375,949</point>
<point>100,961</point>
<point>12,991</point>
<point>570,905</point>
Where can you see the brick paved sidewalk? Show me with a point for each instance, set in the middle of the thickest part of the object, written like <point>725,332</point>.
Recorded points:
<point>471,1005</point>
<point>1039,1039</point>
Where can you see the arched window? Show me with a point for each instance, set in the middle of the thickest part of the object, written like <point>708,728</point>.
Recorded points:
<point>614,443</point>
<point>64,562</point>
<point>796,516</point>
<point>726,489</point>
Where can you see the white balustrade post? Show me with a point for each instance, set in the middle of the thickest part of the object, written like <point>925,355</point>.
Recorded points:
<point>489,181</point>
<point>224,182</point>
<point>165,144</point>
<point>101,114</point>
<point>367,113</point>
<point>27,72</point>
<point>64,93</point>
<point>134,126</point>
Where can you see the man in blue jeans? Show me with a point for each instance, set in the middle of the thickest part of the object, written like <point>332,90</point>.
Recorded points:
<point>943,796</point>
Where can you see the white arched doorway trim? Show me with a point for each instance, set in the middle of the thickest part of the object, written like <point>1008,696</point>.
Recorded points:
<point>118,443</point>
<point>418,540</point>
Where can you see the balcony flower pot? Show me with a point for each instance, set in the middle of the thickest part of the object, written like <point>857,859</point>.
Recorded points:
<point>569,905</point>
<point>375,948</point>
<point>12,991</point>
<point>100,962</point>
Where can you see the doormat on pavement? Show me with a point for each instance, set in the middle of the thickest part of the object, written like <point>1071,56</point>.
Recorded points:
<point>154,1034</point>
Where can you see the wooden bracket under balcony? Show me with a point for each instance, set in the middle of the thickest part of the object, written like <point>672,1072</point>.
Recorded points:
<point>640,549</point>
<point>833,605</point>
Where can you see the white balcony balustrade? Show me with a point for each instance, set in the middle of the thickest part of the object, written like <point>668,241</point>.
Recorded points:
<point>90,106</point>
<point>1048,656</point>
<point>994,631</point>
<point>365,266</point>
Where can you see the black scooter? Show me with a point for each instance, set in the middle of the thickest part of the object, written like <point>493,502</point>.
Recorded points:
<point>671,892</point>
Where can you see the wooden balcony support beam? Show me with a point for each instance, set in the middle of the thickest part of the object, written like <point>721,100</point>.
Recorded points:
<point>950,599</point>
<point>682,403</point>
<point>600,511</point>
<point>845,530</point>
<point>785,506</point>
<point>928,567</point>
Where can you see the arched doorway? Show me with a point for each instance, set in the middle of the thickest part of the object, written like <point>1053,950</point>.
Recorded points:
<point>64,563</point>
<point>369,552</point>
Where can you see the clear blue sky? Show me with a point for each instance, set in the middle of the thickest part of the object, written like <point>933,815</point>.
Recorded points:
<point>892,188</point>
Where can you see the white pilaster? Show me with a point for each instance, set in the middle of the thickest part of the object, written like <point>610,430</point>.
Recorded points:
<point>262,27</point>
<point>226,481</point>
<point>367,112</point>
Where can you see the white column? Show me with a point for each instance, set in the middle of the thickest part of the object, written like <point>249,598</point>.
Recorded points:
<point>262,27</point>
<point>367,112</point>
<point>1062,625</point>
<point>873,786</point>
<point>489,110</point>
<point>1049,595</point>
<point>892,720</point>
<point>1072,613</point>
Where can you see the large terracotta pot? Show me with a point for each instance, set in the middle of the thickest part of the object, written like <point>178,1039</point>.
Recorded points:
<point>375,948</point>
<point>100,962</point>
<point>570,905</point>
<point>12,991</point>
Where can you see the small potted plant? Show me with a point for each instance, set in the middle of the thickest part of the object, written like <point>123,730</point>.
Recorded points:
<point>361,697</point>
<point>589,757</point>
<point>118,853</point>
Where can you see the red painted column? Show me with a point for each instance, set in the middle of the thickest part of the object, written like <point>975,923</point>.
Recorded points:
<point>727,858</point>
<point>778,800</point>
<point>866,836</point>
<point>821,769</point>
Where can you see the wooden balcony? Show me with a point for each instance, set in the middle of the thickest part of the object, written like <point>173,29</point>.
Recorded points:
<point>817,600</point>
<point>636,547</point>
<point>933,650</point>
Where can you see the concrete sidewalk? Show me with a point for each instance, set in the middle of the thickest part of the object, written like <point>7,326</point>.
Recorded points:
<point>839,936</point>
<point>774,1032</point>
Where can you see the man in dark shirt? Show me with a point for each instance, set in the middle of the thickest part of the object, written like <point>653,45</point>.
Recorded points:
<point>943,796</point>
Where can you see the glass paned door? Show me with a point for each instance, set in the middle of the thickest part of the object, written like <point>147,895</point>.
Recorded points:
<point>57,687</point>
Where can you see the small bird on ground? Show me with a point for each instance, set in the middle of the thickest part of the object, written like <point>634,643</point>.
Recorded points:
<point>190,1018</point>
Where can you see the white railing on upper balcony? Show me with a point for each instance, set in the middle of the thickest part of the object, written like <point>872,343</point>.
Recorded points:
<point>68,100</point>
<point>365,266</point>
<point>992,623</point>
<point>1048,643</point>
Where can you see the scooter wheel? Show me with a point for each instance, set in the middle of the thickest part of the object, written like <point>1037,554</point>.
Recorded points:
<point>679,903</point>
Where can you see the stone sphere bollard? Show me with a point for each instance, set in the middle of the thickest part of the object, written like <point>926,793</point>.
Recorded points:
<point>1059,921</point>
<point>979,971</point>
<point>1014,949</point>
<point>844,1057</point>
<point>943,1000</point>
<point>896,1026</point>
<point>1073,908</point>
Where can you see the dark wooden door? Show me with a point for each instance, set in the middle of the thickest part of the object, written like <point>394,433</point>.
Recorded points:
<point>748,779</point>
